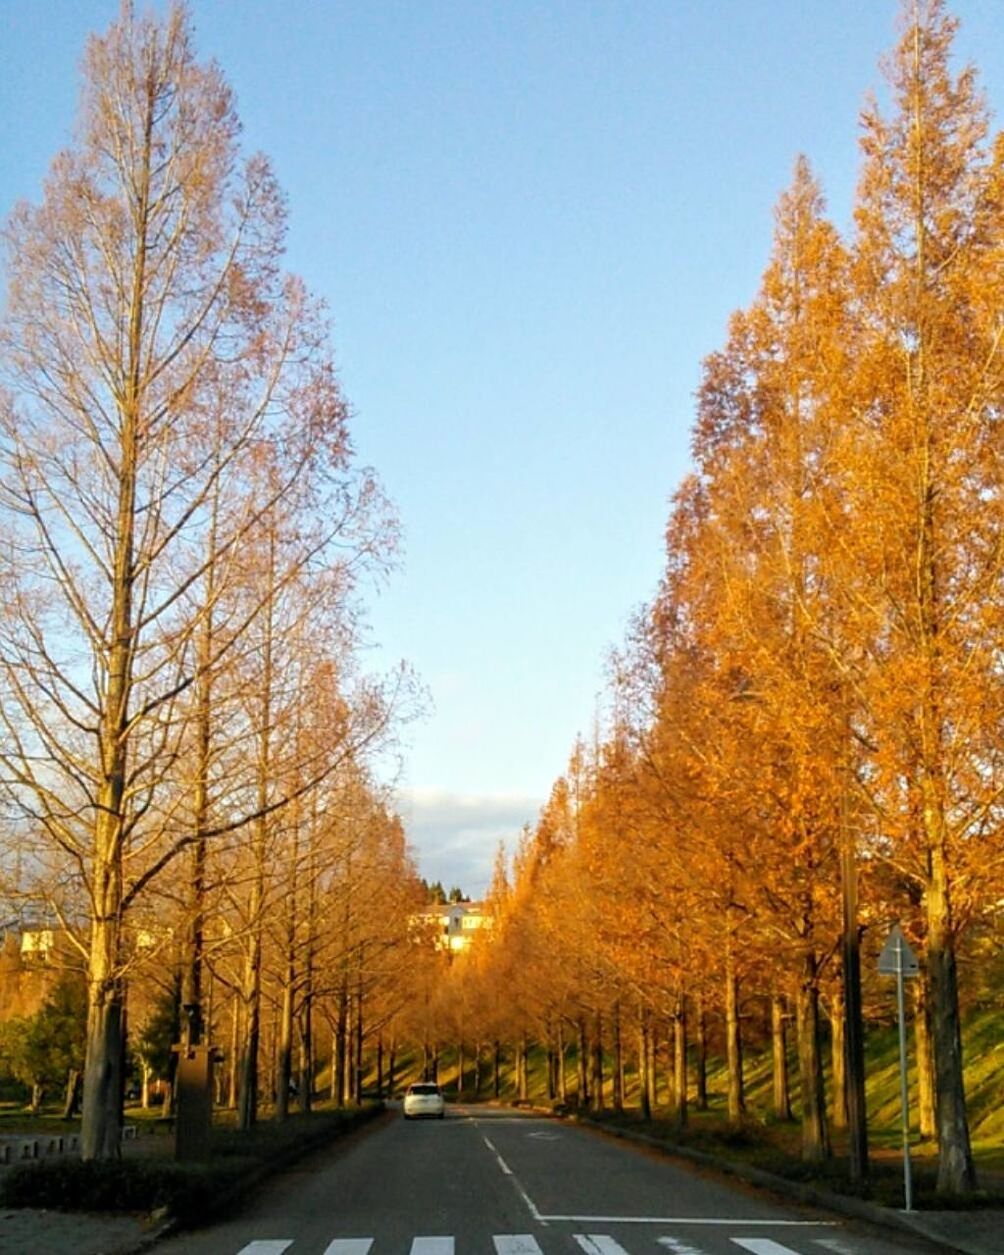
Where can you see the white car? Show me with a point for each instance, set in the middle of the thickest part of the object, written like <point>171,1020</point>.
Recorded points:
<point>424,1098</point>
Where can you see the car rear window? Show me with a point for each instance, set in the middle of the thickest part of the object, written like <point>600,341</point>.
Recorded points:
<point>424,1089</point>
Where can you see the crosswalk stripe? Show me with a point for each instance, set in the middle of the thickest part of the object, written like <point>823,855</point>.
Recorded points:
<point>599,1244</point>
<point>432,1246</point>
<point>348,1246</point>
<point>266,1246</point>
<point>676,1247</point>
<point>763,1246</point>
<point>516,1244</point>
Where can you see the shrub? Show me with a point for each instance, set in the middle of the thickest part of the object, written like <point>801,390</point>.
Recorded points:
<point>187,1191</point>
<point>128,1185</point>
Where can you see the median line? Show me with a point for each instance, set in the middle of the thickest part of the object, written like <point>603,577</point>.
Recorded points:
<point>531,1206</point>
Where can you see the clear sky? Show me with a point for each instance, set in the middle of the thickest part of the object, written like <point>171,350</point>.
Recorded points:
<point>530,220</point>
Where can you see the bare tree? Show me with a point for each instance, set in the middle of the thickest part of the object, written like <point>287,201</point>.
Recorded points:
<point>151,348</point>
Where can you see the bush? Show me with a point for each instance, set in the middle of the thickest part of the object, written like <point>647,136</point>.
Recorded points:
<point>185,1190</point>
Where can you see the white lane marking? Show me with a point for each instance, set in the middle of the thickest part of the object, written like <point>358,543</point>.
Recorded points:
<point>695,1220</point>
<point>501,1162</point>
<point>348,1246</point>
<point>516,1244</point>
<point>676,1247</point>
<point>432,1246</point>
<point>835,1245</point>
<point>531,1206</point>
<point>763,1246</point>
<point>266,1246</point>
<point>599,1244</point>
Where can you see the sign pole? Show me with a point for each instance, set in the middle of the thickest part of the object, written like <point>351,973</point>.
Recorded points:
<point>897,959</point>
<point>904,1093</point>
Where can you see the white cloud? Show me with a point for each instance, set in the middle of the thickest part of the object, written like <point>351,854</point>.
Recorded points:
<point>455,836</point>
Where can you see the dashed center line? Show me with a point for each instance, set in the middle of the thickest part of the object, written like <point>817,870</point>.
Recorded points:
<point>531,1206</point>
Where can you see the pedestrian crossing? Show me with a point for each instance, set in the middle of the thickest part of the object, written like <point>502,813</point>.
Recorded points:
<point>589,1243</point>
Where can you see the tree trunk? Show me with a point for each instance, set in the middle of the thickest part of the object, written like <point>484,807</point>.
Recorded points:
<point>562,1074</point>
<point>838,1060</point>
<point>597,1052</point>
<point>926,1110</point>
<point>653,1060</point>
<point>680,1059</point>
<point>305,1067</point>
<point>247,1086</point>
<point>359,1040</point>
<point>235,1040</point>
<point>956,1173</point>
<point>284,1069</point>
<point>618,1075</point>
<point>734,1045</point>
<point>644,1076</point>
<point>779,1057</point>
<point>815,1134</point>
<point>582,1060</point>
<point>339,1041</point>
<point>72,1099</point>
<point>670,1064</point>
<point>701,1060</point>
<point>101,1125</point>
<point>497,1069</point>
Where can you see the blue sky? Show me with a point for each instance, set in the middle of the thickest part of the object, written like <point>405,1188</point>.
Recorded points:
<point>530,221</point>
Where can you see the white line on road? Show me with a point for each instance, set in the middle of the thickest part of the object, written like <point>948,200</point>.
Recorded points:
<point>676,1247</point>
<point>695,1220</point>
<point>516,1244</point>
<point>432,1246</point>
<point>599,1244</point>
<point>266,1246</point>
<point>763,1246</point>
<point>502,1163</point>
<point>531,1206</point>
<point>833,1245</point>
<point>348,1246</point>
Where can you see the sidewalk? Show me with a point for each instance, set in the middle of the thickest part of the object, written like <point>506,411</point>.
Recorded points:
<point>25,1231</point>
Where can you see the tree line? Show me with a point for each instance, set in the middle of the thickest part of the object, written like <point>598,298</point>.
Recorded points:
<point>804,732</point>
<point>187,737</point>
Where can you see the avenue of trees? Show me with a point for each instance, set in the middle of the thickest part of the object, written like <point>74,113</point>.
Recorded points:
<point>186,737</point>
<point>806,731</point>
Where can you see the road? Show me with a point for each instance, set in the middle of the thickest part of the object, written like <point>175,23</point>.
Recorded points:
<point>510,1183</point>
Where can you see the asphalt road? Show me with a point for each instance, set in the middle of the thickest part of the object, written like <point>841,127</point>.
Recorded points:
<point>515,1184</point>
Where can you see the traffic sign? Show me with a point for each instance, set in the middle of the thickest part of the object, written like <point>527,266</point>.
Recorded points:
<point>897,958</point>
